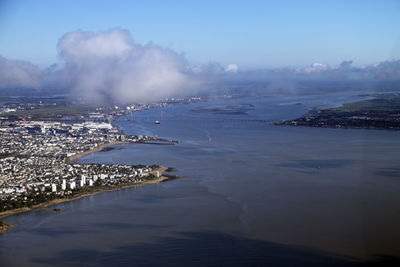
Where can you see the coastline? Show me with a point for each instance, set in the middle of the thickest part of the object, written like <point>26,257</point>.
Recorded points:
<point>95,191</point>
<point>100,147</point>
<point>93,150</point>
<point>4,226</point>
<point>380,113</point>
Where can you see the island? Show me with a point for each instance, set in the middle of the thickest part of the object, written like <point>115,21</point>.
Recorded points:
<point>380,112</point>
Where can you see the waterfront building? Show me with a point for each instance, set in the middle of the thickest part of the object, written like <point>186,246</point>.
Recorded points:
<point>72,185</point>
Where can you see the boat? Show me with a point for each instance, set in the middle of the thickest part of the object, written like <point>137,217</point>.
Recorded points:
<point>159,122</point>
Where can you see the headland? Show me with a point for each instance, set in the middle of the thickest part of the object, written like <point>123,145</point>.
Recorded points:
<point>39,146</point>
<point>381,112</point>
<point>153,179</point>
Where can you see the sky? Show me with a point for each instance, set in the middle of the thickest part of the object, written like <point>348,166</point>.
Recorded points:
<point>127,51</point>
<point>250,34</point>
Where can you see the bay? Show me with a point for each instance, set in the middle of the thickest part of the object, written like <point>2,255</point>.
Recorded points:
<point>250,194</point>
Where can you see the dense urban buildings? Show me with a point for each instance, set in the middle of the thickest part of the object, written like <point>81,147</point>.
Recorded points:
<point>37,157</point>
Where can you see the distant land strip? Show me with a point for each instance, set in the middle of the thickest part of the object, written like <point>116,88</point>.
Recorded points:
<point>382,112</point>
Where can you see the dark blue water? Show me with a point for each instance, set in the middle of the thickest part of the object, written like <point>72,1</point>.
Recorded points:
<point>251,194</point>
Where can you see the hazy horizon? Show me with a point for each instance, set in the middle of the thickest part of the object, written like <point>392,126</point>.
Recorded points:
<point>145,51</point>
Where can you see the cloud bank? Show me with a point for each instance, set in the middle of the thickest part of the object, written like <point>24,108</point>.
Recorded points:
<point>109,66</point>
<point>19,74</point>
<point>386,70</point>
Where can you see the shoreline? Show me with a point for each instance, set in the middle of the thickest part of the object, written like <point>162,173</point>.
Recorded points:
<point>4,226</point>
<point>378,113</point>
<point>95,191</point>
<point>99,148</point>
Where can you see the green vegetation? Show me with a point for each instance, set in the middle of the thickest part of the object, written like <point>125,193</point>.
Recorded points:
<point>32,200</point>
<point>51,111</point>
<point>36,198</point>
<point>151,177</point>
<point>6,155</point>
<point>386,103</point>
<point>4,226</point>
<point>382,112</point>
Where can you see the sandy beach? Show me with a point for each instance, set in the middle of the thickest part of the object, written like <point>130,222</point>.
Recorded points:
<point>94,150</point>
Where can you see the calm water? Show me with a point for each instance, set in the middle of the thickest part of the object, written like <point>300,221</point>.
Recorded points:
<point>251,194</point>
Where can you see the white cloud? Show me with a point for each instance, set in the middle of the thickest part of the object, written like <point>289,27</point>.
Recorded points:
<point>314,68</point>
<point>20,74</point>
<point>110,66</point>
<point>232,68</point>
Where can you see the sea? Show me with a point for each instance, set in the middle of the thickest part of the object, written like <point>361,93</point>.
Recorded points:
<point>250,194</point>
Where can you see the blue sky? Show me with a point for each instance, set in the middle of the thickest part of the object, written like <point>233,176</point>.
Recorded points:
<point>252,34</point>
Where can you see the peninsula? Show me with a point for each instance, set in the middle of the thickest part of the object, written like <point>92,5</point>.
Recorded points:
<point>38,165</point>
<point>381,112</point>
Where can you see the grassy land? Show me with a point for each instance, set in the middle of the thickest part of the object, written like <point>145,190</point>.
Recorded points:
<point>55,111</point>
